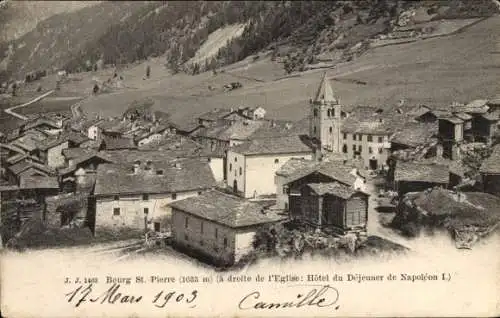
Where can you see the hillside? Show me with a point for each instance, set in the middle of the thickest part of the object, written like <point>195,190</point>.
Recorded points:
<point>20,17</point>
<point>298,33</point>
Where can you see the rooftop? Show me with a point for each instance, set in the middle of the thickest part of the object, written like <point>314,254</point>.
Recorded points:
<point>73,137</point>
<point>334,170</point>
<point>415,134</point>
<point>277,145</point>
<point>119,143</point>
<point>216,114</point>
<point>277,128</point>
<point>25,165</point>
<point>226,209</point>
<point>39,182</point>
<point>188,175</point>
<point>369,120</point>
<point>333,188</point>
<point>239,130</point>
<point>421,172</point>
<point>466,208</point>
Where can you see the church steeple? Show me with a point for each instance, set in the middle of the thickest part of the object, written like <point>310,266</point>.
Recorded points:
<point>325,91</point>
<point>325,122</point>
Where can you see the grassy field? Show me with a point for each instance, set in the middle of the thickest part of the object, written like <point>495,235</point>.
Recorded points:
<point>459,67</point>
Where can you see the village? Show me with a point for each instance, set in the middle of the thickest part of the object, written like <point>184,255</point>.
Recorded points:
<point>234,183</point>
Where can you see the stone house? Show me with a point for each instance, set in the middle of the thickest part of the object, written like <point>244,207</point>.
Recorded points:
<point>229,115</point>
<point>412,176</point>
<point>50,150</point>
<point>251,166</point>
<point>217,226</point>
<point>134,198</point>
<point>26,169</point>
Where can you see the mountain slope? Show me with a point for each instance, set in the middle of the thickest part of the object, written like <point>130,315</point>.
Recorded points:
<point>297,32</point>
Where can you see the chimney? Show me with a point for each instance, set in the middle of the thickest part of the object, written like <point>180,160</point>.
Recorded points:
<point>137,167</point>
<point>149,166</point>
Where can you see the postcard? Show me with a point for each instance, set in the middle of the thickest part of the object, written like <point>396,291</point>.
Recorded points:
<point>249,159</point>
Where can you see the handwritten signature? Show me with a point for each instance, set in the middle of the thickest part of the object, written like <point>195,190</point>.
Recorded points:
<point>315,296</point>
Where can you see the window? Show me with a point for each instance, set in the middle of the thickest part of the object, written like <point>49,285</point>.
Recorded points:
<point>360,148</point>
<point>199,192</point>
<point>157,226</point>
<point>145,197</point>
<point>186,222</point>
<point>286,206</point>
<point>174,196</point>
<point>370,138</point>
<point>345,136</point>
<point>379,150</point>
<point>146,210</point>
<point>276,160</point>
<point>235,159</point>
<point>201,227</point>
<point>216,233</point>
<point>380,139</point>
<point>116,197</point>
<point>331,130</point>
<point>370,150</point>
<point>225,242</point>
<point>230,167</point>
<point>315,113</point>
<point>116,211</point>
<point>344,148</point>
<point>241,171</point>
<point>354,148</point>
<point>186,237</point>
<point>314,129</point>
<point>329,113</point>
<point>333,112</point>
<point>284,190</point>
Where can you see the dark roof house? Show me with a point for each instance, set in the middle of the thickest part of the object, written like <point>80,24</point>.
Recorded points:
<point>226,209</point>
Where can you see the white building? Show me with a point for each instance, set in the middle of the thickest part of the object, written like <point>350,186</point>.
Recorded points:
<point>251,166</point>
<point>361,133</point>
<point>212,225</point>
<point>134,199</point>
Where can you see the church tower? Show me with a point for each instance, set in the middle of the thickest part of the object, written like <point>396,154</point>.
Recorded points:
<point>326,118</point>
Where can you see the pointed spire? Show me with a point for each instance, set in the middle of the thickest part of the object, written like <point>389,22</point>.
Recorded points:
<point>325,91</point>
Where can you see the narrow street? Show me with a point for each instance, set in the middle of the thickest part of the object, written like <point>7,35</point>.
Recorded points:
<point>378,221</point>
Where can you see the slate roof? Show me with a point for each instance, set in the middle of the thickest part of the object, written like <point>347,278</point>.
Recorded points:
<point>192,175</point>
<point>366,120</point>
<point>477,106</point>
<point>118,143</point>
<point>491,165</point>
<point>467,208</point>
<point>277,145</point>
<point>415,134</point>
<point>492,116</point>
<point>333,188</point>
<point>216,114</point>
<point>74,137</point>
<point>333,170</point>
<point>25,165</point>
<point>38,182</point>
<point>420,172</point>
<point>278,128</point>
<point>240,130</point>
<point>226,209</point>
<point>451,119</point>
